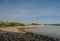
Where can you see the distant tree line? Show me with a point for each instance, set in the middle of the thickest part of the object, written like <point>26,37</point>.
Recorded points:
<point>55,24</point>
<point>45,24</point>
<point>35,24</point>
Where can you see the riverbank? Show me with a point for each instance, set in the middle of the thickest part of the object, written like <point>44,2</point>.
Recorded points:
<point>19,28</point>
<point>13,36</point>
<point>27,36</point>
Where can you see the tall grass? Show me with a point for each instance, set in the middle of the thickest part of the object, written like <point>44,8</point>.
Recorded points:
<point>8,24</point>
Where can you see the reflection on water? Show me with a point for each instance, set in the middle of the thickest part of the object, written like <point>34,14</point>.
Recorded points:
<point>53,31</point>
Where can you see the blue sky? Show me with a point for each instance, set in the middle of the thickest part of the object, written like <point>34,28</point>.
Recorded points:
<point>30,11</point>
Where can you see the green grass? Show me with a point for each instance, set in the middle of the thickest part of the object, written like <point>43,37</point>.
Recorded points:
<point>9,24</point>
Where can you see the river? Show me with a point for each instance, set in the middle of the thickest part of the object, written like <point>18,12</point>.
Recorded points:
<point>52,31</point>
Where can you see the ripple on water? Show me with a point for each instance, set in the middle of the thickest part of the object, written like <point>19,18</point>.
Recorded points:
<point>53,31</point>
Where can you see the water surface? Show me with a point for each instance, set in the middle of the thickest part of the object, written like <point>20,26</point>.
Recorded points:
<point>53,31</point>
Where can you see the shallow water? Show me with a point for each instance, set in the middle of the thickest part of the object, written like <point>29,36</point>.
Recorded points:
<point>53,31</point>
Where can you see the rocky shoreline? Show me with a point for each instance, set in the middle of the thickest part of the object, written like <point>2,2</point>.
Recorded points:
<point>14,36</point>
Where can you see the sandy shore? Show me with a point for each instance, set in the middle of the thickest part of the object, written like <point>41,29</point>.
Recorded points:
<point>19,28</point>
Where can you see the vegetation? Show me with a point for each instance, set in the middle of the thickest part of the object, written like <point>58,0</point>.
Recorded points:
<point>8,24</point>
<point>35,24</point>
<point>54,24</point>
<point>46,24</point>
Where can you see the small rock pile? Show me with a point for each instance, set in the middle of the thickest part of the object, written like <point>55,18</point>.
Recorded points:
<point>14,36</point>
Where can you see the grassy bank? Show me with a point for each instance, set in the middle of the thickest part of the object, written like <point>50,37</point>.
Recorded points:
<point>10,24</point>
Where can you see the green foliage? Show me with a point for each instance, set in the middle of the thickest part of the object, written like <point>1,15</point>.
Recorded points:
<point>53,24</point>
<point>8,24</point>
<point>35,24</point>
<point>46,24</point>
